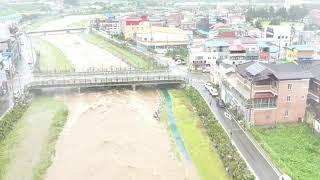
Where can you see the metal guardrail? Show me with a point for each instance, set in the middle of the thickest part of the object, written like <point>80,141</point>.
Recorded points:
<point>107,81</point>
<point>57,30</point>
<point>102,72</point>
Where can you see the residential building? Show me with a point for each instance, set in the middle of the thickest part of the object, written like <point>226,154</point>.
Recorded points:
<point>299,52</point>
<point>279,35</point>
<point>108,23</point>
<point>130,25</point>
<point>237,54</point>
<point>266,93</point>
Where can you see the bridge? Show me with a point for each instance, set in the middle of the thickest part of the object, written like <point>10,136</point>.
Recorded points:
<point>103,79</point>
<point>55,31</point>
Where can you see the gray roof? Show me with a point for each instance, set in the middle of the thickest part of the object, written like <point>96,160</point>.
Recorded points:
<point>226,66</point>
<point>286,71</point>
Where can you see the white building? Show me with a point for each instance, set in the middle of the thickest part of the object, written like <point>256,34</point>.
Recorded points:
<point>163,37</point>
<point>279,35</point>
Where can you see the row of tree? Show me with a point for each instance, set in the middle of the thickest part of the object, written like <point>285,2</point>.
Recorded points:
<point>294,13</point>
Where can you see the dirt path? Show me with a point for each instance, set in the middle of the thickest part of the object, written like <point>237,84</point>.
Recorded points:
<point>36,121</point>
<point>113,135</point>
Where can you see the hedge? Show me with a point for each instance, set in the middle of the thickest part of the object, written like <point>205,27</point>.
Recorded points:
<point>8,122</point>
<point>229,155</point>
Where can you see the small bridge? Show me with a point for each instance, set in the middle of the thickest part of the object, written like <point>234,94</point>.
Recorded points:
<point>100,79</point>
<point>56,31</point>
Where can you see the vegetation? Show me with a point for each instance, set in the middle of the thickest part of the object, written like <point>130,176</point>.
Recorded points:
<point>294,13</point>
<point>119,36</point>
<point>183,52</point>
<point>51,58</point>
<point>81,23</point>
<point>48,148</point>
<point>71,2</point>
<point>10,9</point>
<point>8,122</point>
<point>294,148</point>
<point>205,158</point>
<point>10,128</point>
<point>122,51</point>
<point>231,159</point>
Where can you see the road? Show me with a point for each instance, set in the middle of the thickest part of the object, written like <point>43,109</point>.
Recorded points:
<point>23,74</point>
<point>258,164</point>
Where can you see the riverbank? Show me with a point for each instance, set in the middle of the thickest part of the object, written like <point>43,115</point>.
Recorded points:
<point>28,139</point>
<point>197,142</point>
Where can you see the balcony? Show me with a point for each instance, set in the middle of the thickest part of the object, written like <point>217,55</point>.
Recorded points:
<point>265,88</point>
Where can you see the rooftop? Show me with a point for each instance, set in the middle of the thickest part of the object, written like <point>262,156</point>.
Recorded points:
<point>215,43</point>
<point>169,30</point>
<point>301,47</point>
<point>281,71</point>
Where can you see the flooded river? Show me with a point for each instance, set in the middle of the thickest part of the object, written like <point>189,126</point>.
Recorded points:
<point>111,134</point>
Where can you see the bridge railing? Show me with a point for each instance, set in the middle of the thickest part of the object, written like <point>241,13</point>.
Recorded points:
<point>99,72</point>
<point>94,81</point>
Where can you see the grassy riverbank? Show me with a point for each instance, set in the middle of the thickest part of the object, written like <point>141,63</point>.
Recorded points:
<point>294,148</point>
<point>204,157</point>
<point>27,150</point>
<point>118,51</point>
<point>51,58</point>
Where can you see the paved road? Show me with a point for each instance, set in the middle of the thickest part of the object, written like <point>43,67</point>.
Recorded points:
<point>252,156</point>
<point>22,76</point>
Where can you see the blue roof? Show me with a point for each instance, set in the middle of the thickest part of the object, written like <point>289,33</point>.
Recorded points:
<point>301,47</point>
<point>215,43</point>
<point>272,48</point>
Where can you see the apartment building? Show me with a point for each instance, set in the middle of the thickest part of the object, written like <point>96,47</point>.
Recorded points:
<point>299,52</point>
<point>268,93</point>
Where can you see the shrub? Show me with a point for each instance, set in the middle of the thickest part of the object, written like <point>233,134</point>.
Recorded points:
<point>8,122</point>
<point>229,155</point>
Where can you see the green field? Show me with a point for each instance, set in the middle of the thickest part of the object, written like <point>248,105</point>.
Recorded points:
<point>294,148</point>
<point>51,57</point>
<point>198,144</point>
<point>120,52</point>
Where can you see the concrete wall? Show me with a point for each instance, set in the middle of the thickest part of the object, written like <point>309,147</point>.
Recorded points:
<point>264,116</point>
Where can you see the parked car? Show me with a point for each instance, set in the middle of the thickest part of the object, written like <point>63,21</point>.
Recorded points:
<point>213,92</point>
<point>207,86</point>
<point>220,103</point>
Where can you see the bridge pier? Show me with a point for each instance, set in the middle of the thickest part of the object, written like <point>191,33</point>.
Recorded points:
<point>133,87</point>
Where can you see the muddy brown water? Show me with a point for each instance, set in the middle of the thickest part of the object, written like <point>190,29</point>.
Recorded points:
<point>113,135</point>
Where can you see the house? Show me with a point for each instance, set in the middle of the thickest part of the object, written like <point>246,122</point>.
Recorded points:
<point>130,25</point>
<point>279,35</point>
<point>267,93</point>
<point>299,52</point>
<point>218,49</point>
<point>108,23</point>
<point>162,37</point>
<point>237,20</point>
<point>237,54</point>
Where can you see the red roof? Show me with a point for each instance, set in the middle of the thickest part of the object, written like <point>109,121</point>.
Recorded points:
<point>227,34</point>
<point>248,40</point>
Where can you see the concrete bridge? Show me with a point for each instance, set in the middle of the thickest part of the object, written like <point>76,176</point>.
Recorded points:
<point>56,31</point>
<point>103,79</point>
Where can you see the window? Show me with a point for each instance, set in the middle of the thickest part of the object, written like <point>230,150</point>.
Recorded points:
<point>286,113</point>
<point>279,37</point>
<point>302,97</point>
<point>289,98</point>
<point>209,57</point>
<point>289,86</point>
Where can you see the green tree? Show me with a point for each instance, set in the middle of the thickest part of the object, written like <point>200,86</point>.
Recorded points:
<point>258,24</point>
<point>275,21</point>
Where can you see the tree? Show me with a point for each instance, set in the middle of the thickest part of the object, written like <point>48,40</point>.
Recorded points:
<point>282,12</point>
<point>258,24</point>
<point>275,21</point>
<point>71,2</point>
<point>271,12</point>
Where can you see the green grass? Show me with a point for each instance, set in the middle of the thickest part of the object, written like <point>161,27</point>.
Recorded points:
<point>204,157</point>
<point>48,148</point>
<point>10,9</point>
<point>80,23</point>
<point>294,148</point>
<point>51,57</point>
<point>7,147</point>
<point>120,52</point>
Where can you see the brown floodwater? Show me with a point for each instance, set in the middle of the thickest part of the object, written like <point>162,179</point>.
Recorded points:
<point>113,135</point>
